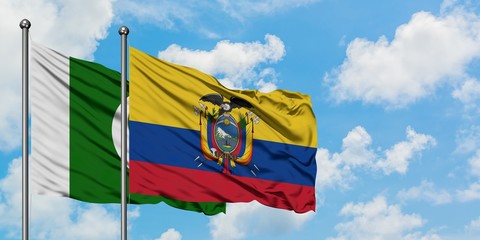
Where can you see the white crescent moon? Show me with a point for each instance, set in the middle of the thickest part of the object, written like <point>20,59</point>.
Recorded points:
<point>116,131</point>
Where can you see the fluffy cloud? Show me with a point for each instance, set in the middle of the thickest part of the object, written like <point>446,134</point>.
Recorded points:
<point>398,157</point>
<point>11,196</point>
<point>248,54</point>
<point>378,220</point>
<point>331,171</point>
<point>337,168</point>
<point>411,66</point>
<point>134,213</point>
<point>244,219</point>
<point>474,163</point>
<point>236,63</point>
<point>425,191</point>
<point>473,226</point>
<point>91,222</point>
<point>355,151</point>
<point>72,27</point>
<point>170,234</point>
<point>468,140</point>
<point>469,94</point>
<point>52,217</point>
<point>470,194</point>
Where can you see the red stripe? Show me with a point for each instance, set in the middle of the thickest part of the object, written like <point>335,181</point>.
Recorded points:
<point>202,186</point>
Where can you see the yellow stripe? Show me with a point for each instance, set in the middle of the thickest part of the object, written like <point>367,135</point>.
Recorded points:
<point>165,93</point>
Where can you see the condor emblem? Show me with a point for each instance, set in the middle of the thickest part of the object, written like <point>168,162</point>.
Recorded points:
<point>226,132</point>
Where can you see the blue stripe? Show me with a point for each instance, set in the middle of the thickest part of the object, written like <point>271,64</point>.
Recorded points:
<point>180,147</point>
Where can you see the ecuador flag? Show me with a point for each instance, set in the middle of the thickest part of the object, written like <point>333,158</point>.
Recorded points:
<point>194,140</point>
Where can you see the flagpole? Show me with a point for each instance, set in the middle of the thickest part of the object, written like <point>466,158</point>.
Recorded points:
<point>123,31</point>
<point>25,26</point>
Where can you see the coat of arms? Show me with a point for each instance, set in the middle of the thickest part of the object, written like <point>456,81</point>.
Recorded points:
<point>226,131</point>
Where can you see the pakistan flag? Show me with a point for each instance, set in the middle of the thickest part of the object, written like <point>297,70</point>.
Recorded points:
<point>73,132</point>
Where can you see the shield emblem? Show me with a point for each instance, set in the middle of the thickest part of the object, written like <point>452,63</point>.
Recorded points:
<point>226,133</point>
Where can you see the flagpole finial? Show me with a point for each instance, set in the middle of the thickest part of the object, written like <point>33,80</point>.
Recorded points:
<point>123,30</point>
<point>25,24</point>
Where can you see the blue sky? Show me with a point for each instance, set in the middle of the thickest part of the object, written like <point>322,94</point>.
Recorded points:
<point>395,87</point>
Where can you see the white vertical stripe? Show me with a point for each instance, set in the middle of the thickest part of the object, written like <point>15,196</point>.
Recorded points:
<point>50,118</point>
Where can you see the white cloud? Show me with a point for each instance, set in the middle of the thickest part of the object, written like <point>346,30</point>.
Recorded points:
<point>474,163</point>
<point>170,234</point>
<point>266,87</point>
<point>337,169</point>
<point>425,191</point>
<point>411,66</point>
<point>71,27</point>
<point>11,196</point>
<point>468,140</point>
<point>355,151</point>
<point>331,171</point>
<point>236,62</point>
<point>52,217</point>
<point>245,219</point>
<point>468,94</point>
<point>448,5</point>
<point>471,231</point>
<point>91,222</point>
<point>398,157</point>
<point>470,194</point>
<point>134,213</point>
<point>473,226</point>
<point>420,236</point>
<point>377,220</point>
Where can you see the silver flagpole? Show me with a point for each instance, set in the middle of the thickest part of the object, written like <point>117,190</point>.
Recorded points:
<point>123,31</point>
<point>25,26</point>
